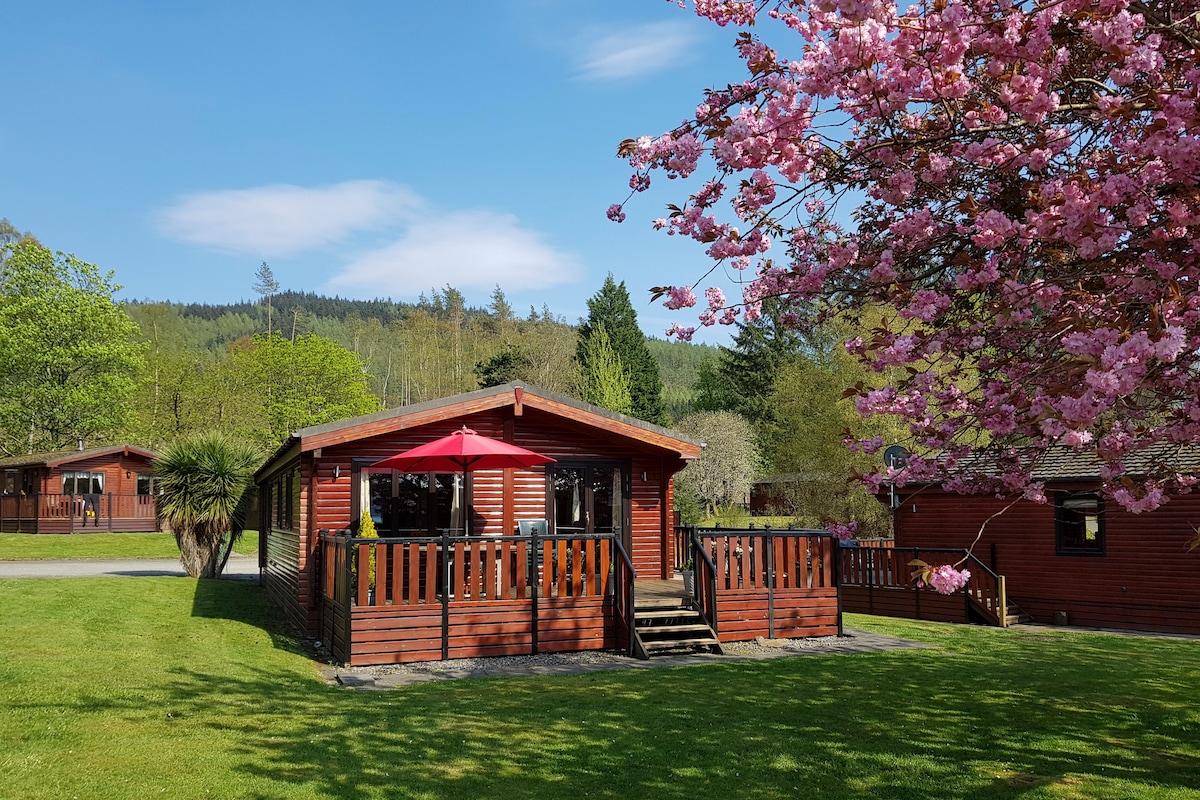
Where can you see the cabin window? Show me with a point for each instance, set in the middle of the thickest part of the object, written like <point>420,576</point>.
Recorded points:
<point>83,483</point>
<point>11,477</point>
<point>412,504</point>
<point>1079,525</point>
<point>283,501</point>
<point>146,485</point>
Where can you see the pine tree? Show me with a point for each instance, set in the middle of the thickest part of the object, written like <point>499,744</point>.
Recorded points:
<point>267,286</point>
<point>604,381</point>
<point>746,372</point>
<point>611,309</point>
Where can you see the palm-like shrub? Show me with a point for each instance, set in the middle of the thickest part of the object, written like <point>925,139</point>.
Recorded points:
<point>205,484</point>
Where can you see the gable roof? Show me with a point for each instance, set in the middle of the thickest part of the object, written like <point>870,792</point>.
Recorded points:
<point>1067,463</point>
<point>59,457</point>
<point>515,394</point>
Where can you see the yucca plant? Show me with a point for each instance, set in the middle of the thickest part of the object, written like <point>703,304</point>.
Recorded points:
<point>206,484</point>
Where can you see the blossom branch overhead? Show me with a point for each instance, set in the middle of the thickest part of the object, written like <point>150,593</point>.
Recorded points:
<point>1018,185</point>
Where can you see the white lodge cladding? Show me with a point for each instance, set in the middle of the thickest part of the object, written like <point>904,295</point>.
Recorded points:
<point>611,482</point>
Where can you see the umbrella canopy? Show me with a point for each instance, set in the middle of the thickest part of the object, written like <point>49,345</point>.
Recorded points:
<point>462,451</point>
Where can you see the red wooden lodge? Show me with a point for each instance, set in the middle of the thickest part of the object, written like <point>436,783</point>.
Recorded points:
<point>78,491</point>
<point>1077,559</point>
<point>578,554</point>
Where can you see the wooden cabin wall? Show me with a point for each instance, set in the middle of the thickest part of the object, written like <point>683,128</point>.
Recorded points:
<point>288,575</point>
<point>113,465</point>
<point>543,433</point>
<point>1145,580</point>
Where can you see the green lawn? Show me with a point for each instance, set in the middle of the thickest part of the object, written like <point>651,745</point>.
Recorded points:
<point>43,546</point>
<point>170,687</point>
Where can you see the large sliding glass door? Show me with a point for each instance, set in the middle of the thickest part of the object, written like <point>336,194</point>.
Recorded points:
<point>589,498</point>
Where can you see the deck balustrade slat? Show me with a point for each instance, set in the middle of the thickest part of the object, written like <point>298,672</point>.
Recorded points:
<point>522,565</point>
<point>364,565</point>
<point>604,563</point>
<point>562,568</point>
<point>412,552</point>
<point>473,569</point>
<point>431,573</point>
<point>458,586</point>
<point>576,561</point>
<point>490,554</point>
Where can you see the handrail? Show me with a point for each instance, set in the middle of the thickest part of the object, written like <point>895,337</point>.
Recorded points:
<point>706,597</point>
<point>986,590</point>
<point>628,612</point>
<point>878,567</point>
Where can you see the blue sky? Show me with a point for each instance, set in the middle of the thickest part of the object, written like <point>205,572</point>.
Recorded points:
<point>373,149</point>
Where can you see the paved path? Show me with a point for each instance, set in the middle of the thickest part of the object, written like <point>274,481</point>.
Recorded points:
<point>239,567</point>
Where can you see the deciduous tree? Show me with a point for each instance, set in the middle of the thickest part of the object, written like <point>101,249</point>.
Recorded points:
<point>67,359</point>
<point>727,466</point>
<point>1018,183</point>
<point>288,385</point>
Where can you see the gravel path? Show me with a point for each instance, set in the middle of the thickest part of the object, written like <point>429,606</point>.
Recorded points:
<point>399,675</point>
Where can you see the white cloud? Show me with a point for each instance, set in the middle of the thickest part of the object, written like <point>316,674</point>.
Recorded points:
<point>467,250</point>
<point>283,219</point>
<point>636,51</point>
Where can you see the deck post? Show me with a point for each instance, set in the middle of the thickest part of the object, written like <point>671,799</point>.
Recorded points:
<point>837,579</point>
<point>351,592</point>
<point>916,589</point>
<point>534,555</point>
<point>1002,603</point>
<point>768,563</point>
<point>110,514</point>
<point>445,594</point>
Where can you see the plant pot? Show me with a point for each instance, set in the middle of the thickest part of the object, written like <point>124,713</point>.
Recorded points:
<point>689,582</point>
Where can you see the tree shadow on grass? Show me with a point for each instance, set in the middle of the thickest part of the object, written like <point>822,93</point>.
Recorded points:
<point>916,724</point>
<point>244,601</point>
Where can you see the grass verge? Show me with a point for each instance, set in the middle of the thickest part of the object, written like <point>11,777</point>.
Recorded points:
<point>47,546</point>
<point>171,687</point>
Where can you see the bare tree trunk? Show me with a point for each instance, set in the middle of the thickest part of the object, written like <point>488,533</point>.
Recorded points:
<point>199,551</point>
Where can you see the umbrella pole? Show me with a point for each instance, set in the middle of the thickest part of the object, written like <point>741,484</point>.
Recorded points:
<point>466,518</point>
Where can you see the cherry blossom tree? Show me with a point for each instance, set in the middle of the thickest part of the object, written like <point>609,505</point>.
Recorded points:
<point>1017,182</point>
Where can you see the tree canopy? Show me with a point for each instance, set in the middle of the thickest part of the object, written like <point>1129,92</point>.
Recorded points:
<point>1018,183</point>
<point>68,361</point>
<point>728,464</point>
<point>285,385</point>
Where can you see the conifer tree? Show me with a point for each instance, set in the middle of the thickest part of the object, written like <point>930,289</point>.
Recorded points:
<point>611,309</point>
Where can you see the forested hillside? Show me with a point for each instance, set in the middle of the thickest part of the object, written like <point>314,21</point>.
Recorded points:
<point>410,352</point>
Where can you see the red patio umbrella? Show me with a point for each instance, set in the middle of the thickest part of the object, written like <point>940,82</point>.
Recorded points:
<point>462,451</point>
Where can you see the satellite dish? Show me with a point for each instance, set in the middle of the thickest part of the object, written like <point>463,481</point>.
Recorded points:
<point>896,456</point>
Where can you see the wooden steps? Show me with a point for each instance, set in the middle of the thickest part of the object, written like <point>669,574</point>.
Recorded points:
<point>1015,616</point>
<point>674,627</point>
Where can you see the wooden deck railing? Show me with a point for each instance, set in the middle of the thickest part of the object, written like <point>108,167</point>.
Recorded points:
<point>766,581</point>
<point>69,513</point>
<point>520,581</point>
<point>885,567</point>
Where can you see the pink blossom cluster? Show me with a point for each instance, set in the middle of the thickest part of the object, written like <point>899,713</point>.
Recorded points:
<point>844,531</point>
<point>1026,190</point>
<point>944,579</point>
